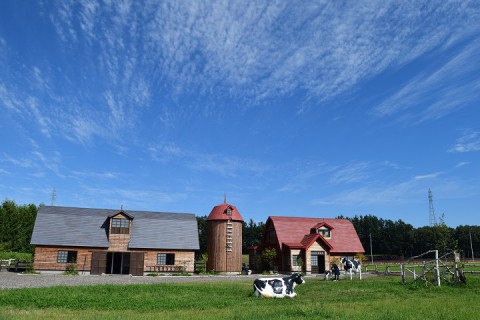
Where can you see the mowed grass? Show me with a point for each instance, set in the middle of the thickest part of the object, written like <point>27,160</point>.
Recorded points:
<point>371,298</point>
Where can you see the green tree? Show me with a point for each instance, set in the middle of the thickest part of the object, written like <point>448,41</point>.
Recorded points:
<point>268,258</point>
<point>463,234</point>
<point>252,234</point>
<point>202,235</point>
<point>16,226</point>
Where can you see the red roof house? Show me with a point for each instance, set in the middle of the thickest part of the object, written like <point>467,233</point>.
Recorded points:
<point>309,244</point>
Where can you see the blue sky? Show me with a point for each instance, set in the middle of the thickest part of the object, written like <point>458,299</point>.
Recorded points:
<point>309,108</point>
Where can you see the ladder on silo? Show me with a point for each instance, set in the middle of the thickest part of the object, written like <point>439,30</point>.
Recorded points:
<point>229,236</point>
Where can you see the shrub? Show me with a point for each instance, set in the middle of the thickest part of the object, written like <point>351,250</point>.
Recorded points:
<point>71,269</point>
<point>16,255</point>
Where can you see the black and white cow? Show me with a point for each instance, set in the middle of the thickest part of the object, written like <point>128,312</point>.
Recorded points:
<point>277,287</point>
<point>351,266</point>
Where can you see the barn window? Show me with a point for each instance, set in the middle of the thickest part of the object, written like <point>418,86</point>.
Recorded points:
<point>65,256</point>
<point>121,226</point>
<point>165,259</point>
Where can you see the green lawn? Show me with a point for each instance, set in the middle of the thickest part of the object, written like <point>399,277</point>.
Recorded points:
<point>371,298</point>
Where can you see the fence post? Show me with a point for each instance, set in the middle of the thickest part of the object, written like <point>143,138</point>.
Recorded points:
<point>403,273</point>
<point>438,270</point>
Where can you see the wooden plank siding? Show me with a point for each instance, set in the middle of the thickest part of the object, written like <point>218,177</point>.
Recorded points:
<point>46,258</point>
<point>219,259</point>
<point>93,260</point>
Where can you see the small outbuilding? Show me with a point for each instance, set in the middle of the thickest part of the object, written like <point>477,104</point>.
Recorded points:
<point>107,241</point>
<point>307,244</point>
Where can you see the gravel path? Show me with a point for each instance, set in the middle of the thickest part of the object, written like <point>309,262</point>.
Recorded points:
<point>12,280</point>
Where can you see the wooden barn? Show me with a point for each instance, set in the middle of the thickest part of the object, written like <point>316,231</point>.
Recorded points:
<point>224,239</point>
<point>307,244</point>
<point>104,241</point>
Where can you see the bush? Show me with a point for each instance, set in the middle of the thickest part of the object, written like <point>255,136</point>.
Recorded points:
<point>16,255</point>
<point>71,269</point>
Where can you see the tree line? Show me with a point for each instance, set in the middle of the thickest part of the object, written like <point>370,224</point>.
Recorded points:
<point>399,240</point>
<point>16,226</point>
<point>390,239</point>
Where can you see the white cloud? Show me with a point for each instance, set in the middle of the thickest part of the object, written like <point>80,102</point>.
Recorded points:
<point>353,172</point>
<point>427,176</point>
<point>226,166</point>
<point>259,50</point>
<point>436,93</point>
<point>379,194</point>
<point>461,164</point>
<point>97,175</point>
<point>470,141</point>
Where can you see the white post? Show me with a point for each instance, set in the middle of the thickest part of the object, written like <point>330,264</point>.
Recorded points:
<point>438,270</point>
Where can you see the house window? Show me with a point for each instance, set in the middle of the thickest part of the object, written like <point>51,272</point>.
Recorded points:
<point>324,232</point>
<point>166,259</point>
<point>120,226</point>
<point>295,259</point>
<point>66,256</point>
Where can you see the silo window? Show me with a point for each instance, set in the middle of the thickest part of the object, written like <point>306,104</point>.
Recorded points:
<point>229,212</point>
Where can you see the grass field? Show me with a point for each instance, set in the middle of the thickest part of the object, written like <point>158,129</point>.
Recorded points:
<point>371,298</point>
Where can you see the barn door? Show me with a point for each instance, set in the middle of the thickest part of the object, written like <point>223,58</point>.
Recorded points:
<point>136,263</point>
<point>99,262</point>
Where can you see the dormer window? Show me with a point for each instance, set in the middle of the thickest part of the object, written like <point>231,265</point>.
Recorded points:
<point>120,226</point>
<point>323,229</point>
<point>229,211</point>
<point>324,232</point>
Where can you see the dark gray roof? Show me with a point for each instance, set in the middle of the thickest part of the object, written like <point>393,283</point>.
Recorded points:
<point>84,227</point>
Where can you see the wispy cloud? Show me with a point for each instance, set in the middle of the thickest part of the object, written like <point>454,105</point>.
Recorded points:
<point>427,176</point>
<point>461,164</point>
<point>302,179</point>
<point>122,57</point>
<point>226,166</point>
<point>96,175</point>
<point>135,198</point>
<point>353,172</point>
<point>258,50</point>
<point>380,194</point>
<point>439,92</point>
<point>469,141</point>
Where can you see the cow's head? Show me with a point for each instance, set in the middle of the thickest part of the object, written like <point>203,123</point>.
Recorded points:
<point>297,278</point>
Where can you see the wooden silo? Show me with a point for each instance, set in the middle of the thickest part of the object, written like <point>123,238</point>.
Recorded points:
<point>224,239</point>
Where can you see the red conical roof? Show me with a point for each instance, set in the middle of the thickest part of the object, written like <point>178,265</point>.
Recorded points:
<point>225,211</point>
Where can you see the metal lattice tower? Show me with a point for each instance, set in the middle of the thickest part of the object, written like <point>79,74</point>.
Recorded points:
<point>431,210</point>
<point>53,197</point>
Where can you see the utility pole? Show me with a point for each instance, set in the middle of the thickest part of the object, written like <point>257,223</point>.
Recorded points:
<point>471,246</point>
